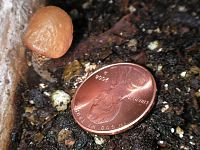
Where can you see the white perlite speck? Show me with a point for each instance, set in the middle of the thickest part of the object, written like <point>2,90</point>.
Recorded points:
<point>153,45</point>
<point>178,89</point>
<point>98,140</point>
<point>47,93</point>
<point>43,86</point>
<point>166,87</point>
<point>60,100</point>
<point>182,9</point>
<point>192,143</point>
<point>131,9</point>
<point>159,68</point>
<point>163,109</point>
<point>89,67</point>
<point>172,130</point>
<point>184,147</point>
<point>161,142</point>
<point>160,50</point>
<point>188,89</point>
<point>183,74</point>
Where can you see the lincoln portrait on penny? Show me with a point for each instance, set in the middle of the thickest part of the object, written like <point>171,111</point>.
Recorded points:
<point>106,105</point>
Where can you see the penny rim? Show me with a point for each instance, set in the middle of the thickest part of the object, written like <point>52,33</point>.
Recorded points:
<point>124,127</point>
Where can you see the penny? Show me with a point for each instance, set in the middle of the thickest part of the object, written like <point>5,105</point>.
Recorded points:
<point>114,98</point>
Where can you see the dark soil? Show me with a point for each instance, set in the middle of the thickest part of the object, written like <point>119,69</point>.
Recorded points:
<point>162,36</point>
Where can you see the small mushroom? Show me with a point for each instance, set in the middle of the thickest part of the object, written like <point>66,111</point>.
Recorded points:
<point>49,35</point>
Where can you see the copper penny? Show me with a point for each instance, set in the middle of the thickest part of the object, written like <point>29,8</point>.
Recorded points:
<point>114,98</point>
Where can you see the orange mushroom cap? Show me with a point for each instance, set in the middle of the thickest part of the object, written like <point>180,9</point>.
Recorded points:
<point>50,32</point>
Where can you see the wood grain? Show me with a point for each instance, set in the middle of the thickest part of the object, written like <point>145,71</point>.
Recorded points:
<point>14,15</point>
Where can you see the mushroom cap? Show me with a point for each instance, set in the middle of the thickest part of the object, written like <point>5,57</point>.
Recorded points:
<point>50,32</point>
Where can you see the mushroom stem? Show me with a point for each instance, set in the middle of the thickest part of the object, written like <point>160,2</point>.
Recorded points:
<point>38,62</point>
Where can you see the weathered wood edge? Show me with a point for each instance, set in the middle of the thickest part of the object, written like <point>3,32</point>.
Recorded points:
<point>14,15</point>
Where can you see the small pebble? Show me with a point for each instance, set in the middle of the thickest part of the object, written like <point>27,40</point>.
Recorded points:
<point>98,140</point>
<point>64,135</point>
<point>153,45</point>
<point>166,107</point>
<point>179,131</point>
<point>89,67</point>
<point>160,50</point>
<point>159,68</point>
<point>197,94</point>
<point>164,102</point>
<point>191,137</point>
<point>183,74</point>
<point>132,9</point>
<point>43,86</point>
<point>31,102</point>
<point>157,30</point>
<point>188,89</point>
<point>132,43</point>
<point>182,9</point>
<point>192,143</point>
<point>172,130</point>
<point>184,147</point>
<point>60,100</point>
<point>178,89</point>
<point>47,93</point>
<point>166,86</point>
<point>161,143</point>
